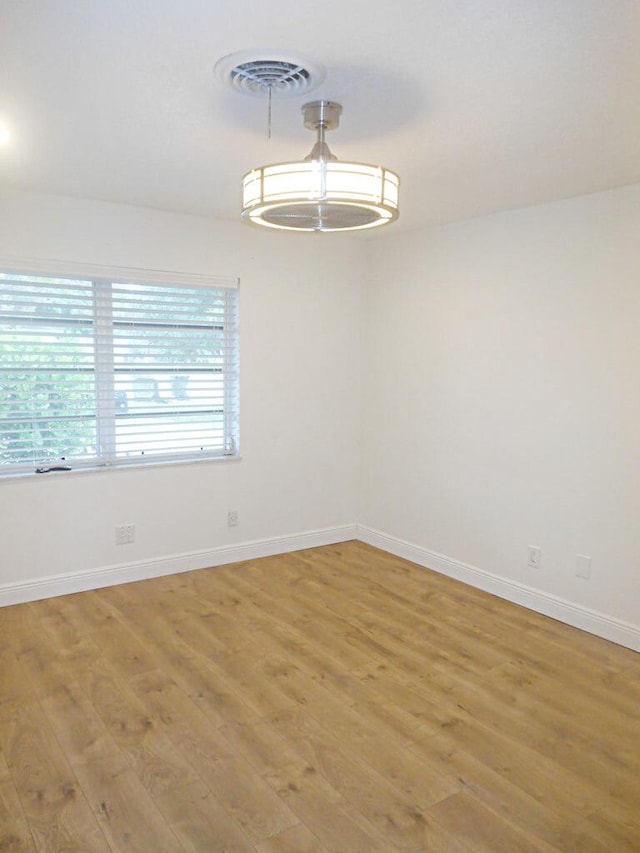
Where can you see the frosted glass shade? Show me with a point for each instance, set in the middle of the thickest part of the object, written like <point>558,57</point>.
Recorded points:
<point>320,195</point>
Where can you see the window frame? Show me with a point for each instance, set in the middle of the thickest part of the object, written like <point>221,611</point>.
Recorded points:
<point>102,278</point>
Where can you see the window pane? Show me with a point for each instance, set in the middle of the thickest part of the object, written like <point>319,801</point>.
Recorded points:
<point>100,372</point>
<point>47,380</point>
<point>170,349</point>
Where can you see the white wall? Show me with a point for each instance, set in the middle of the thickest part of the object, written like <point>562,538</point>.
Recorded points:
<point>299,424</point>
<point>494,401</point>
<point>501,398</point>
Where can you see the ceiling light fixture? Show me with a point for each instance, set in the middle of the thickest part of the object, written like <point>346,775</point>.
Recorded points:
<point>320,193</point>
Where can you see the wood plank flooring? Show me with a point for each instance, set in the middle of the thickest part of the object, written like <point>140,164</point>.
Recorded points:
<point>335,699</point>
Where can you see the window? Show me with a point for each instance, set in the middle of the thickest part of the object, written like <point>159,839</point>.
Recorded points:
<point>98,371</point>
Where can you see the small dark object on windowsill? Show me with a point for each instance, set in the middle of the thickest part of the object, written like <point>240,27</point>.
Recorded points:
<point>53,468</point>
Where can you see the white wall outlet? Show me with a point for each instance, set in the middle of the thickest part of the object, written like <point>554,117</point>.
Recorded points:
<point>583,566</point>
<point>232,518</point>
<point>533,556</point>
<point>125,534</point>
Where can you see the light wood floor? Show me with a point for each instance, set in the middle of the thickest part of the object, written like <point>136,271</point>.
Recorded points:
<point>335,699</point>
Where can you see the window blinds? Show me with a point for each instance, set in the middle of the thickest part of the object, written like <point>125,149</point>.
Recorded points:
<point>102,372</point>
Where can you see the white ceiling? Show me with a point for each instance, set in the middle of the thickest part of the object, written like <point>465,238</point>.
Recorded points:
<point>479,105</point>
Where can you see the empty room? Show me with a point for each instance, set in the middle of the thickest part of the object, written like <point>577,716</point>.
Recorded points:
<point>319,419</point>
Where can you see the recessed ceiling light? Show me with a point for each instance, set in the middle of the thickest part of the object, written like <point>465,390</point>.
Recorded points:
<point>5,133</point>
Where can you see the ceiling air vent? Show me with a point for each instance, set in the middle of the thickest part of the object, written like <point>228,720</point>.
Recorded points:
<point>263,72</point>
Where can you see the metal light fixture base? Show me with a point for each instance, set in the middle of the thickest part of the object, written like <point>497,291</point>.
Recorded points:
<point>324,114</point>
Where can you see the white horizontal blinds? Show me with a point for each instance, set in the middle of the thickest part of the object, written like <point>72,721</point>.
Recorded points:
<point>107,373</point>
<point>105,386</point>
<point>232,377</point>
<point>174,365</point>
<point>47,371</point>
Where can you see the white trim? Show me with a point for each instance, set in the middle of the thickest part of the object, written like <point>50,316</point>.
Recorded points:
<point>47,587</point>
<point>31,476</point>
<point>623,633</point>
<point>73,269</point>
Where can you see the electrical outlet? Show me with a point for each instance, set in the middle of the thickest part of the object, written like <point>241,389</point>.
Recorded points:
<point>125,534</point>
<point>533,556</point>
<point>583,566</point>
<point>232,518</point>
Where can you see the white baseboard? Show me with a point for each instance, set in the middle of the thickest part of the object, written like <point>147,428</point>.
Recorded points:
<point>33,590</point>
<point>623,633</point>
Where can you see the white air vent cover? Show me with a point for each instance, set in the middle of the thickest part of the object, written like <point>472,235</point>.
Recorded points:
<point>258,72</point>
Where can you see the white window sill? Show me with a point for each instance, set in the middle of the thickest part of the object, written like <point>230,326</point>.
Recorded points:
<point>102,469</point>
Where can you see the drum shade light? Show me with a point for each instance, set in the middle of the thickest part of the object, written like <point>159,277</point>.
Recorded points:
<point>320,193</point>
